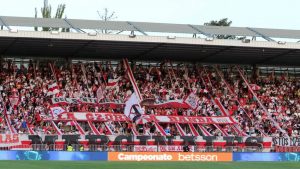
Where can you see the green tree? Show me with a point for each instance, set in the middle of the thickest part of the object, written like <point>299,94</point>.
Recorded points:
<point>46,12</point>
<point>223,22</point>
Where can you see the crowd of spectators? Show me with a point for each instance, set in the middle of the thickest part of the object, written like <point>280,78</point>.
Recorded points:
<point>158,84</point>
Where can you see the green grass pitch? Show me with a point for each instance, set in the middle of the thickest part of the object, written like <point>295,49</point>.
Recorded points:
<point>145,165</point>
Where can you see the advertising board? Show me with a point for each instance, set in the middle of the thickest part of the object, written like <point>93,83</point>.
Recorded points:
<point>53,155</point>
<point>168,156</point>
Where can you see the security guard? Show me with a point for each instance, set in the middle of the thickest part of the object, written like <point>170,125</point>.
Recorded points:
<point>70,148</point>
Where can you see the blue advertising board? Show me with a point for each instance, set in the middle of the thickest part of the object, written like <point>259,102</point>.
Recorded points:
<point>53,155</point>
<point>266,157</point>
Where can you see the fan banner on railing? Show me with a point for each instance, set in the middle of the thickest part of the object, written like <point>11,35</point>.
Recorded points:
<point>84,100</point>
<point>89,116</point>
<point>9,139</point>
<point>160,148</point>
<point>22,141</point>
<point>88,100</point>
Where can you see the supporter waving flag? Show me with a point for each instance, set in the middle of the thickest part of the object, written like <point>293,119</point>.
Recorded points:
<point>55,111</point>
<point>14,99</point>
<point>192,100</point>
<point>255,87</point>
<point>52,89</point>
<point>133,108</point>
<point>100,93</point>
<point>112,83</point>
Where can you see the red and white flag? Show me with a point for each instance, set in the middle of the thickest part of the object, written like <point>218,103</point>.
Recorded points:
<point>112,83</point>
<point>53,89</point>
<point>163,91</point>
<point>203,91</point>
<point>14,101</point>
<point>100,94</point>
<point>192,100</point>
<point>57,111</point>
<point>255,87</point>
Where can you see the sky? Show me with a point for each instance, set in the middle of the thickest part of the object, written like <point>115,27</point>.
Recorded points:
<point>283,14</point>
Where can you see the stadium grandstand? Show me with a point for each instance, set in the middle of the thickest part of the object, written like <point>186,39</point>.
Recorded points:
<point>147,79</point>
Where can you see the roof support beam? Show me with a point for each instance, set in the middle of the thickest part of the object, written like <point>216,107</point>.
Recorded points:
<point>148,51</point>
<point>76,29</point>
<point>81,48</point>
<point>198,30</point>
<point>3,52</point>
<point>135,27</point>
<point>276,56</point>
<point>4,23</point>
<point>262,35</point>
<point>119,32</point>
<point>215,53</point>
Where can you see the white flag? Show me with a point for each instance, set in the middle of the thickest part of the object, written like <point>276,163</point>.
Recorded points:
<point>56,111</point>
<point>192,100</point>
<point>133,109</point>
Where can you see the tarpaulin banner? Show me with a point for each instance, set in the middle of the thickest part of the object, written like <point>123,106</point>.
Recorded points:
<point>146,142</point>
<point>287,148</point>
<point>89,116</point>
<point>168,156</point>
<point>84,100</point>
<point>160,148</point>
<point>88,100</point>
<point>9,138</point>
<point>286,141</point>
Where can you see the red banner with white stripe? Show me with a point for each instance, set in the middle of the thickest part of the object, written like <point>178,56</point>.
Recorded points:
<point>88,100</point>
<point>89,116</point>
